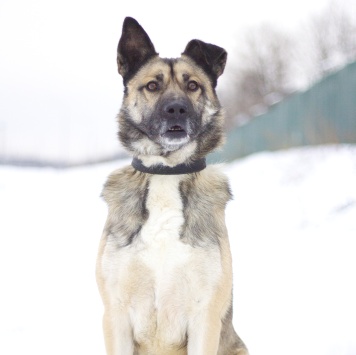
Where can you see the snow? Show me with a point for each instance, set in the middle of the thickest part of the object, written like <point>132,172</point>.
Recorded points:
<point>292,227</point>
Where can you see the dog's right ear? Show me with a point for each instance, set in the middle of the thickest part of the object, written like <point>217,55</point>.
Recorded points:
<point>134,49</point>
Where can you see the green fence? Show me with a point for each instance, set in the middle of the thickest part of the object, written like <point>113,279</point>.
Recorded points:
<point>324,114</point>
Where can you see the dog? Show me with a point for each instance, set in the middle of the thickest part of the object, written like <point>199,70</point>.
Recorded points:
<point>164,266</point>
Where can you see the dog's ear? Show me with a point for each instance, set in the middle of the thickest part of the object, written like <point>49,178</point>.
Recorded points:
<point>134,49</point>
<point>210,57</point>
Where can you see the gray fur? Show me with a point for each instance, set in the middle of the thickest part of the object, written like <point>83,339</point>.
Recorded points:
<point>204,210</point>
<point>208,135</point>
<point>125,194</point>
<point>143,120</point>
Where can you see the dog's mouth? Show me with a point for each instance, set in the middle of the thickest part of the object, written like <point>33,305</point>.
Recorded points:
<point>175,132</point>
<point>174,136</point>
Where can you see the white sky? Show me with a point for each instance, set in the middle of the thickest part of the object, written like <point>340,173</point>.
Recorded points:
<point>59,87</point>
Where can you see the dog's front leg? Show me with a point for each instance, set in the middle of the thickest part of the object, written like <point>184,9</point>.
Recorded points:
<point>204,334</point>
<point>118,335</point>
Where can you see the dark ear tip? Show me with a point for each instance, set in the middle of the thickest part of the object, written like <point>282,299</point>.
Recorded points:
<point>129,21</point>
<point>197,43</point>
<point>131,24</point>
<point>134,48</point>
<point>191,44</point>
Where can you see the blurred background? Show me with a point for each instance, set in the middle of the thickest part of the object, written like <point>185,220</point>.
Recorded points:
<point>289,91</point>
<point>60,91</point>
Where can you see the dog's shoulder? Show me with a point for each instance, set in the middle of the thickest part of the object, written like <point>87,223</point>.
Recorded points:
<point>205,196</point>
<point>125,193</point>
<point>210,185</point>
<point>215,176</point>
<point>124,183</point>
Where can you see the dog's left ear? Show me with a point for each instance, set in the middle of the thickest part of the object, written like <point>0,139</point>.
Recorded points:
<point>135,48</point>
<point>210,57</point>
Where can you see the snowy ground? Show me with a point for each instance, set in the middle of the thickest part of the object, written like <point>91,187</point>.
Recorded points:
<point>292,227</point>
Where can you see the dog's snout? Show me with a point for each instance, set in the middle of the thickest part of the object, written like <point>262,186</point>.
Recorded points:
<point>176,109</point>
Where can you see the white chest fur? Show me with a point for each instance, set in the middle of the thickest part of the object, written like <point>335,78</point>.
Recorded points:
<point>160,234</point>
<point>165,208</point>
<point>160,281</point>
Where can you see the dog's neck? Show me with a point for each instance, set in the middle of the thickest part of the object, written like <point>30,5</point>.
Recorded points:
<point>161,169</point>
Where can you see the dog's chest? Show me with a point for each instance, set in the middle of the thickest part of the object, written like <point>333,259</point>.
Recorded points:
<point>162,280</point>
<point>160,235</point>
<point>170,261</point>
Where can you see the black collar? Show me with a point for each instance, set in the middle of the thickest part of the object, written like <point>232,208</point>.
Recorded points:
<point>161,169</point>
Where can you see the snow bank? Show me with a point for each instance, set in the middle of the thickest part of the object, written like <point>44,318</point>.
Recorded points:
<point>292,228</point>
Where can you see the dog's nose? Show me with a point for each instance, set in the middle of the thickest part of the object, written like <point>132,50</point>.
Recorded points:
<point>176,109</point>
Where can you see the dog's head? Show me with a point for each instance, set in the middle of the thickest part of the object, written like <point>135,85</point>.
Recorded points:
<point>170,108</point>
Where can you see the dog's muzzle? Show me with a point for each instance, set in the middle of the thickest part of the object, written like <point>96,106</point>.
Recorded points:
<point>174,116</point>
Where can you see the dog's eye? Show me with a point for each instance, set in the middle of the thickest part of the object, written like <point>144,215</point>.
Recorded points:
<point>152,86</point>
<point>193,86</point>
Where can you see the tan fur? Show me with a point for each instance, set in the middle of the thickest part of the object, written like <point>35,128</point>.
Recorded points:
<point>141,103</point>
<point>137,281</point>
<point>164,266</point>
